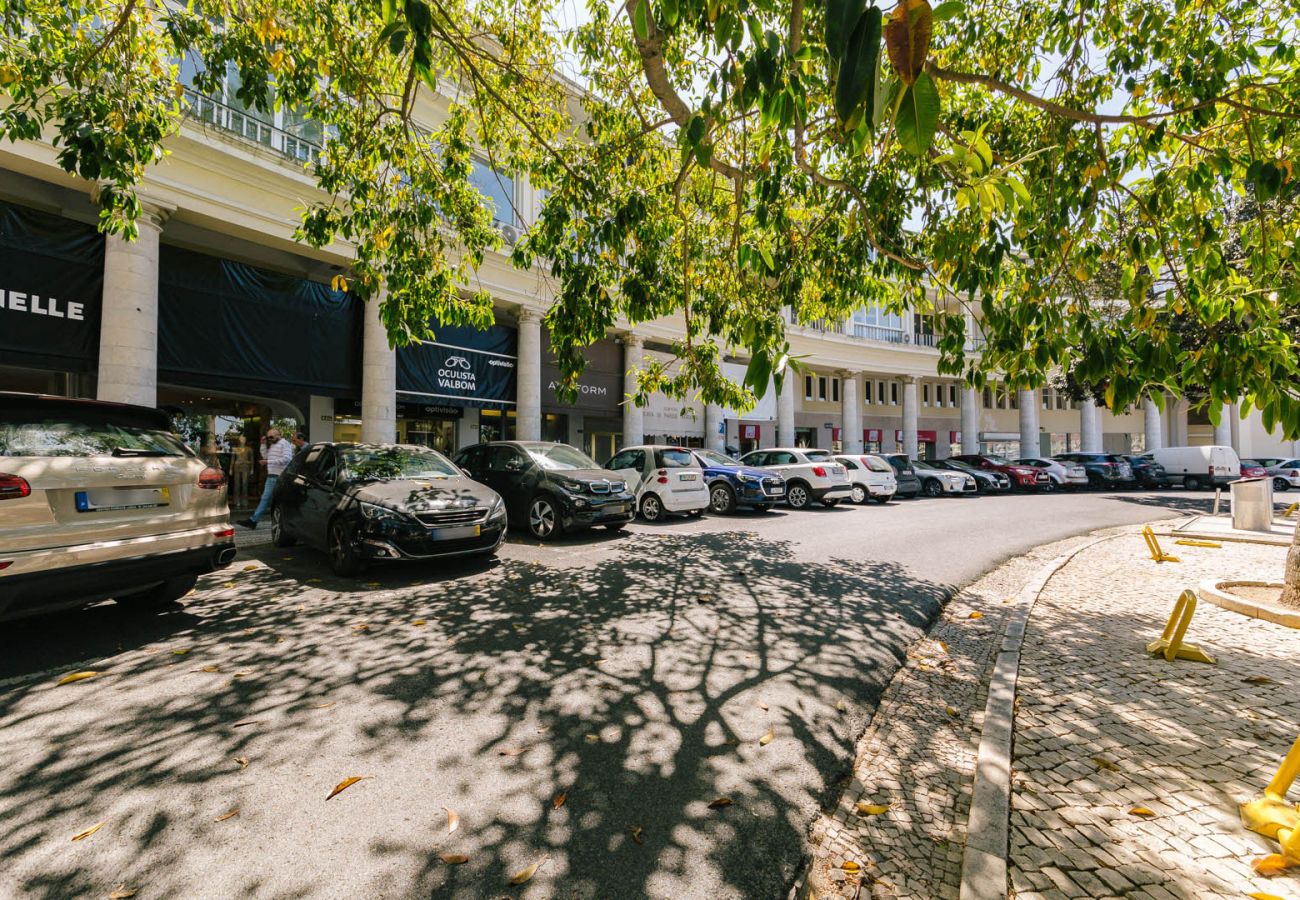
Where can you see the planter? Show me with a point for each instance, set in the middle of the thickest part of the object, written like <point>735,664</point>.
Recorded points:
<point>1257,599</point>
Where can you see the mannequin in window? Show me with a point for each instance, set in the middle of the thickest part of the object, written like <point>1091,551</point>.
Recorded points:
<point>241,466</point>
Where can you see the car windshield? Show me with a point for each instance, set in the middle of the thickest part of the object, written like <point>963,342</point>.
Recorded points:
<point>922,464</point>
<point>961,464</point>
<point>876,464</point>
<point>557,457</point>
<point>395,464</point>
<point>714,458</point>
<point>674,459</point>
<point>998,460</point>
<point>60,437</point>
<point>819,455</point>
<point>1037,463</point>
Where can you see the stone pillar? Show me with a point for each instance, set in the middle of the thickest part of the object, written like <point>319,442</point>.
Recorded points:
<point>785,410</point>
<point>715,437</point>
<point>378,377</point>
<point>851,420</point>
<point>1152,425</point>
<point>128,328</point>
<point>970,420</point>
<point>1223,431</point>
<point>633,415</point>
<point>1029,442</point>
<point>910,413</point>
<point>1089,426</point>
<point>528,377</point>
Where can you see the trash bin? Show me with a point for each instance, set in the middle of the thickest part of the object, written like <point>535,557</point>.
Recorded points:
<point>1252,504</point>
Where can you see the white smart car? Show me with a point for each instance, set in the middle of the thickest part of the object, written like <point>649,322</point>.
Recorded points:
<point>871,477</point>
<point>665,480</point>
<point>810,475</point>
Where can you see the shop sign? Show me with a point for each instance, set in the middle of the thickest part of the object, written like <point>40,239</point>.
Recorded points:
<point>352,409</point>
<point>463,367</point>
<point>922,437</point>
<point>600,385</point>
<point>749,432</point>
<point>954,437</point>
<point>871,435</point>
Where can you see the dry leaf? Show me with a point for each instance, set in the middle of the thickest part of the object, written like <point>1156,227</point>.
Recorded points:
<point>418,622</point>
<point>841,706</point>
<point>246,722</point>
<point>851,867</point>
<point>249,568</point>
<point>322,705</point>
<point>243,761</point>
<point>559,800</point>
<point>1260,895</point>
<point>345,784</point>
<point>1102,762</point>
<point>1141,811</point>
<point>230,815</point>
<point>373,584</point>
<point>210,669</point>
<point>76,676</point>
<point>872,809</point>
<point>453,859</point>
<point>767,738</point>
<point>121,892</point>
<point>511,751</point>
<point>1258,679</point>
<point>524,875</point>
<point>943,645</point>
<point>89,831</point>
<point>180,651</point>
<point>593,738</point>
<point>229,584</point>
<point>720,802</point>
<point>636,834</point>
<point>1267,866</point>
<point>976,615</point>
<point>763,706</point>
<point>952,711</point>
<point>453,820</point>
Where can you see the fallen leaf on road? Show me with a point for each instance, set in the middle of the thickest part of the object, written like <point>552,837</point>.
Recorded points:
<point>230,815</point>
<point>636,834</point>
<point>511,751</point>
<point>322,705</point>
<point>1260,895</point>
<point>364,626</point>
<point>209,669</point>
<point>373,584</point>
<point>763,706</point>
<point>76,676</point>
<point>246,722</point>
<point>89,831</point>
<point>418,622</point>
<point>976,615</point>
<point>345,784</point>
<point>952,711</point>
<point>720,802</point>
<point>1267,866</point>
<point>453,859</point>
<point>453,820</point>
<point>1141,811</point>
<point>181,651</point>
<point>559,800</point>
<point>943,646</point>
<point>525,874</point>
<point>1102,762</point>
<point>121,892</point>
<point>243,761</point>
<point>1258,679</point>
<point>279,639</point>
<point>249,568</point>
<point>229,584</point>
<point>872,809</point>
<point>850,866</point>
<point>841,706</point>
<point>767,738</point>
<point>593,739</point>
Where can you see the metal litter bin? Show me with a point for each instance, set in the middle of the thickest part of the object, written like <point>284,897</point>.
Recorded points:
<point>1252,504</point>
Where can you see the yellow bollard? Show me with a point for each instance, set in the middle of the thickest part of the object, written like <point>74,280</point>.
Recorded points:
<point>1171,645</point>
<point>1290,510</point>
<point>1271,816</point>
<point>1189,542</point>
<point>1154,546</point>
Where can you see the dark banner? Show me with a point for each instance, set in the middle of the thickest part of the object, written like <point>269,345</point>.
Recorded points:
<point>223,324</point>
<point>463,367</point>
<point>352,408</point>
<point>51,282</point>
<point>600,386</point>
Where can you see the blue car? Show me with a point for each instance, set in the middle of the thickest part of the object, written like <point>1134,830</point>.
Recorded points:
<point>732,484</point>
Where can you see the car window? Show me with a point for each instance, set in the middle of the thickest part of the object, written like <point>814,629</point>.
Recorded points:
<point>469,457</point>
<point>34,435</point>
<point>876,464</point>
<point>622,460</point>
<point>713,458</point>
<point>326,467</point>
<point>674,459</point>
<point>503,458</point>
<point>780,459</point>
<point>394,463</point>
<point>847,463</point>
<point>818,455</point>
<point>558,457</point>
<point>757,458</point>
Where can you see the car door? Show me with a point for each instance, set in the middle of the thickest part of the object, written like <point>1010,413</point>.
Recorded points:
<point>320,498</point>
<point>631,466</point>
<point>291,489</point>
<point>503,470</point>
<point>757,459</point>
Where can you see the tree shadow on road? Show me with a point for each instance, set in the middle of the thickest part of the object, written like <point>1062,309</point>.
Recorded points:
<point>642,689</point>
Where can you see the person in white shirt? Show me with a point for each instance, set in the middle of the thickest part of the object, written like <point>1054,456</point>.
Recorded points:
<point>278,454</point>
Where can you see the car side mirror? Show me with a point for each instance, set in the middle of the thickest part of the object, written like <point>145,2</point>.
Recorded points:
<point>466,472</point>
<point>515,465</point>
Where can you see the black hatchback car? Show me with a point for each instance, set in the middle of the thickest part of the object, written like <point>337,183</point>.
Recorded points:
<point>1147,472</point>
<point>550,488</point>
<point>372,502</point>
<point>909,484</point>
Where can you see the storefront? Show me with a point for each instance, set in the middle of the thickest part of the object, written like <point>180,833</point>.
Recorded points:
<point>754,428</point>
<point>871,438</point>
<point>926,442</point>
<point>594,418</point>
<point>669,421</point>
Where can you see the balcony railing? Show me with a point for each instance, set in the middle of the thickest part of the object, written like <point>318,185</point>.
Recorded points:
<point>249,127</point>
<point>923,339</point>
<point>879,333</point>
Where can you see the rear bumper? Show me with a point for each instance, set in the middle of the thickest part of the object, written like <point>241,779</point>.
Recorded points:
<point>685,501</point>
<point>831,492</point>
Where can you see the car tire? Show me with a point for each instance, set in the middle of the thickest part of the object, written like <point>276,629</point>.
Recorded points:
<point>615,527</point>
<point>1280,485</point>
<point>652,508</point>
<point>722,499</point>
<point>797,495</point>
<point>1048,488</point>
<point>931,487</point>
<point>344,560</point>
<point>860,494</point>
<point>881,500</point>
<point>280,536</point>
<point>1192,483</point>
<point>160,596</point>
<point>544,518</point>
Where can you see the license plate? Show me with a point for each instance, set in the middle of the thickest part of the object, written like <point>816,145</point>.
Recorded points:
<point>118,498</point>
<point>685,476</point>
<point>777,492</point>
<point>451,534</point>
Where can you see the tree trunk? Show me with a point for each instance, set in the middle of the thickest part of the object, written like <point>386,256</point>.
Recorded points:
<point>1291,593</point>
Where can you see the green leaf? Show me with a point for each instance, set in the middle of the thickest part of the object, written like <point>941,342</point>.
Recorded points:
<point>886,98</point>
<point>918,116</point>
<point>397,41</point>
<point>641,19</point>
<point>948,10</point>
<point>858,70</point>
<point>758,372</point>
<point>767,257</point>
<point>389,8</point>
<point>669,8</point>
<point>842,17</point>
<point>417,13</point>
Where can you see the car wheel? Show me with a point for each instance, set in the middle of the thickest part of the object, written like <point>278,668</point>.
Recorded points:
<point>859,494</point>
<point>543,518</point>
<point>722,499</point>
<point>280,537</point>
<point>797,495</point>
<point>931,488</point>
<point>652,510</point>
<point>160,596</point>
<point>831,503</point>
<point>1280,484</point>
<point>343,555</point>
<point>1192,483</point>
<point>1049,487</point>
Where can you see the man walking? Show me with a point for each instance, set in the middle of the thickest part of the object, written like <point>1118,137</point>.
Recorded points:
<point>278,454</point>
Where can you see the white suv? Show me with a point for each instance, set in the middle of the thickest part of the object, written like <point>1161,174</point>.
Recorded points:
<point>810,475</point>
<point>100,500</point>
<point>665,480</point>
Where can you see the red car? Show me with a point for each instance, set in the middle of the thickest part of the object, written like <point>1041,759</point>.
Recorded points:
<point>1252,469</point>
<point>1023,478</point>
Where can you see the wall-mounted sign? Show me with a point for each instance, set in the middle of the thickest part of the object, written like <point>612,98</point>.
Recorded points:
<point>749,432</point>
<point>462,367</point>
<point>871,435</point>
<point>600,386</point>
<point>922,437</point>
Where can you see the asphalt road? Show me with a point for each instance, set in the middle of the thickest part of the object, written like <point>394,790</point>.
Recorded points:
<point>641,676</point>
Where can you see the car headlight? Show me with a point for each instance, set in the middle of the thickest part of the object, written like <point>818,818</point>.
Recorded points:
<point>748,479</point>
<point>572,486</point>
<point>498,509</point>
<point>376,513</point>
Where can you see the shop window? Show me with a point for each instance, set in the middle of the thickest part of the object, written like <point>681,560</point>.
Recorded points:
<point>496,425</point>
<point>555,427</point>
<point>440,434</point>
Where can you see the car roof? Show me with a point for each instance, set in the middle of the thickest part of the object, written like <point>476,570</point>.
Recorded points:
<point>14,401</point>
<point>661,447</point>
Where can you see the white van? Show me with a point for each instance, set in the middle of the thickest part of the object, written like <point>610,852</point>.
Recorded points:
<point>1198,467</point>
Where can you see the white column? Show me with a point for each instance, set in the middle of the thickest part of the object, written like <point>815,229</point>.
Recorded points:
<point>1028,403</point>
<point>128,328</point>
<point>633,415</point>
<point>528,377</point>
<point>1223,431</point>
<point>1089,426</point>
<point>378,377</point>
<point>1152,425</point>
<point>1178,424</point>
<point>851,421</point>
<point>785,409</point>
<point>970,420</point>
<point>715,437</point>
<point>910,413</point>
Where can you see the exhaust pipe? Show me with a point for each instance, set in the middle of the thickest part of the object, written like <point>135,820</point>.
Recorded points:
<point>225,556</point>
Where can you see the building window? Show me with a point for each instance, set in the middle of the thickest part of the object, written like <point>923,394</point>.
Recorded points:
<point>953,396</point>
<point>880,392</point>
<point>555,427</point>
<point>496,425</point>
<point>1013,399</point>
<point>1045,398</point>
<point>925,395</point>
<point>821,387</point>
<point>807,387</point>
<point>867,397</point>
<point>988,397</point>
<point>835,390</point>
<point>876,324</point>
<point>893,393</point>
<point>498,191</point>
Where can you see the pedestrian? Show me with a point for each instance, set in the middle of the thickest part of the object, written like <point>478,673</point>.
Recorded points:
<point>278,454</point>
<point>299,440</point>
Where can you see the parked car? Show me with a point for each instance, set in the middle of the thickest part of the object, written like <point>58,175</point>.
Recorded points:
<point>1199,467</point>
<point>733,485</point>
<point>1105,470</point>
<point>987,481</point>
<point>665,480</point>
<point>810,475</point>
<point>1286,474</point>
<point>1147,473</point>
<point>1062,474</point>
<point>101,500</point>
<point>909,485</point>
<point>550,489</point>
<point>939,480</point>
<point>1251,468</point>
<point>1023,478</point>
<point>870,476</point>
<point>1270,462</point>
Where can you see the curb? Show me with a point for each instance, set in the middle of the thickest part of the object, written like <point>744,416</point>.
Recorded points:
<point>1275,541</point>
<point>1209,591</point>
<point>984,862</point>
